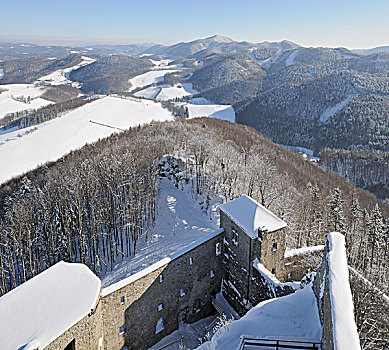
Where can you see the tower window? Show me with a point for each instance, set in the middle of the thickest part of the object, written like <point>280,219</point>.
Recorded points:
<point>160,307</point>
<point>190,261</point>
<point>160,278</point>
<point>121,329</point>
<point>121,300</point>
<point>235,237</point>
<point>218,249</point>
<point>274,246</point>
<point>159,327</point>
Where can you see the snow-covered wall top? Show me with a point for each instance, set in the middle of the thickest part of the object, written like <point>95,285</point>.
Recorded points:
<point>333,292</point>
<point>41,309</point>
<point>250,216</point>
<point>303,251</point>
<point>344,327</point>
<point>122,283</point>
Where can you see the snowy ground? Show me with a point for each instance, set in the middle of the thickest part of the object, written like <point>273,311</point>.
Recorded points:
<point>149,92</point>
<point>187,336</point>
<point>331,111</point>
<point>149,78</point>
<point>176,91</point>
<point>295,315</point>
<point>53,139</point>
<point>8,104</point>
<point>179,222</point>
<point>60,77</point>
<point>224,112</point>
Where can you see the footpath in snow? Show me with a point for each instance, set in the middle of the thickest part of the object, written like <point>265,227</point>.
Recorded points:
<point>53,139</point>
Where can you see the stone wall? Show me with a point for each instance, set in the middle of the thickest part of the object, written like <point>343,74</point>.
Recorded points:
<point>237,264</point>
<point>272,252</point>
<point>334,300</point>
<point>178,290</point>
<point>297,266</point>
<point>86,333</point>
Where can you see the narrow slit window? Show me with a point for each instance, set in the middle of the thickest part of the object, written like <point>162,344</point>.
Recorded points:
<point>274,246</point>
<point>235,237</point>
<point>218,249</point>
<point>211,273</point>
<point>121,329</point>
<point>160,278</point>
<point>182,293</point>
<point>159,327</point>
<point>190,261</point>
<point>121,300</point>
<point>160,307</point>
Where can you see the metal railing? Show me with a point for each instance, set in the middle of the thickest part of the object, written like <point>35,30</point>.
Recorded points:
<point>280,344</point>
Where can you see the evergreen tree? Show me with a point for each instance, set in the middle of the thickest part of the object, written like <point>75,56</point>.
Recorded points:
<point>336,219</point>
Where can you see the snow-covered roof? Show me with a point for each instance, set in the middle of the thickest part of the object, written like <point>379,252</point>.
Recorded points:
<point>41,309</point>
<point>249,215</point>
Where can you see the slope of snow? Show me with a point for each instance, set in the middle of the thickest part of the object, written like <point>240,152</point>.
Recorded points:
<point>149,92</point>
<point>55,138</point>
<point>9,105</point>
<point>250,216</point>
<point>180,224</point>
<point>38,311</point>
<point>330,111</point>
<point>294,316</point>
<point>177,91</point>
<point>344,327</point>
<point>224,112</point>
<point>290,60</point>
<point>60,77</point>
<point>149,78</point>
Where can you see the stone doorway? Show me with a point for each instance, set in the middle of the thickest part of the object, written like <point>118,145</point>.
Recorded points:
<point>71,345</point>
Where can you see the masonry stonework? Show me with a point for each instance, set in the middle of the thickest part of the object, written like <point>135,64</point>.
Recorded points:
<point>86,333</point>
<point>183,293</point>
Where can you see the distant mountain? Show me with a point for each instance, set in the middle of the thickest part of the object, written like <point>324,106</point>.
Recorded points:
<point>219,70</point>
<point>373,50</point>
<point>10,51</point>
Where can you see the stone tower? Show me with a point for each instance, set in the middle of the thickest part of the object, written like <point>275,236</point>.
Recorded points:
<point>254,247</point>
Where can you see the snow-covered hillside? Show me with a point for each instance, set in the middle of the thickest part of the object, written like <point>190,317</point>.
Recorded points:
<point>149,78</point>
<point>224,112</point>
<point>60,77</point>
<point>19,97</point>
<point>25,149</point>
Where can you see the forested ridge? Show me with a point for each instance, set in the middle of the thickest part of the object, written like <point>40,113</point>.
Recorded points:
<point>95,204</point>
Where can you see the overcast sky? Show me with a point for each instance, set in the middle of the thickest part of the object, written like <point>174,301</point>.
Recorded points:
<point>334,23</point>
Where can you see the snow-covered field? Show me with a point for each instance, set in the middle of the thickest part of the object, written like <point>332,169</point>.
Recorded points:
<point>53,139</point>
<point>179,222</point>
<point>8,104</point>
<point>167,92</point>
<point>149,78</point>
<point>60,77</point>
<point>171,92</point>
<point>149,92</point>
<point>224,112</point>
